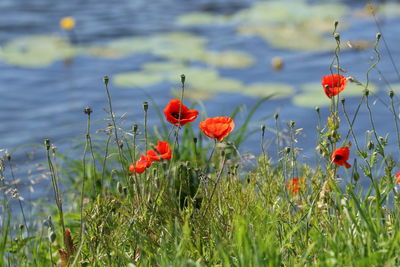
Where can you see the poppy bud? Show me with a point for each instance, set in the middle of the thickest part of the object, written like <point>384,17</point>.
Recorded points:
<point>292,124</point>
<point>183,78</point>
<point>391,94</point>
<point>195,140</point>
<point>378,36</point>
<point>336,23</point>
<point>145,106</point>
<point>262,129</point>
<point>135,128</point>
<point>366,92</point>
<point>52,236</point>
<point>8,156</point>
<point>119,188</point>
<point>336,36</point>
<point>343,100</point>
<point>276,116</point>
<point>106,79</point>
<point>87,110</point>
<point>317,109</point>
<point>371,145</point>
<point>287,150</point>
<point>120,143</point>
<point>21,227</point>
<point>125,190</point>
<point>47,143</point>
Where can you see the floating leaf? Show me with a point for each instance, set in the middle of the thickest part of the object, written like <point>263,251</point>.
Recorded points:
<point>202,18</point>
<point>37,51</point>
<point>228,59</point>
<point>137,79</point>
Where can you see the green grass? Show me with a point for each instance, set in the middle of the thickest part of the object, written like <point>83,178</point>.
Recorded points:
<point>205,208</point>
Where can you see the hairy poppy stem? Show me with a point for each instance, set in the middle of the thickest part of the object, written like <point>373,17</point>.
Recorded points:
<point>8,156</point>
<point>215,185</point>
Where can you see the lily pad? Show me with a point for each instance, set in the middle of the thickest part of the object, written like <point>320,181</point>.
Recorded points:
<point>137,79</point>
<point>312,94</point>
<point>279,90</point>
<point>202,18</point>
<point>228,59</point>
<point>37,51</point>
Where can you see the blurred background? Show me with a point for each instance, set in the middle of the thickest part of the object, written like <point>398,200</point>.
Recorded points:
<point>233,52</point>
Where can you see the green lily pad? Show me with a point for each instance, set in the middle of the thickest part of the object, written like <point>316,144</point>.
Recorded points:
<point>37,51</point>
<point>164,66</point>
<point>202,18</point>
<point>228,59</point>
<point>137,79</point>
<point>312,94</point>
<point>279,90</point>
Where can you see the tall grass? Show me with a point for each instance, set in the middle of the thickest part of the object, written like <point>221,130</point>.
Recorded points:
<point>203,208</point>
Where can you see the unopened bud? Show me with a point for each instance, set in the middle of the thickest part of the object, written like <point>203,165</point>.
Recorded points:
<point>337,36</point>
<point>391,94</point>
<point>52,236</point>
<point>135,128</point>
<point>183,78</point>
<point>47,143</point>
<point>276,116</point>
<point>366,92</point>
<point>106,79</point>
<point>371,145</point>
<point>336,23</point>
<point>317,109</point>
<point>343,100</point>
<point>287,150</point>
<point>263,129</point>
<point>87,110</point>
<point>195,140</point>
<point>21,227</point>
<point>378,36</point>
<point>292,124</point>
<point>119,188</point>
<point>145,106</point>
<point>8,156</point>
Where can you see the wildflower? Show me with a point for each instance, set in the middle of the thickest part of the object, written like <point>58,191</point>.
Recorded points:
<point>162,151</point>
<point>141,165</point>
<point>333,84</point>
<point>218,127</point>
<point>171,112</point>
<point>397,183</point>
<point>341,155</point>
<point>295,185</point>
<point>67,23</point>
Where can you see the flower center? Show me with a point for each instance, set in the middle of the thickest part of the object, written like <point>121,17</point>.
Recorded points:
<point>338,158</point>
<point>175,115</point>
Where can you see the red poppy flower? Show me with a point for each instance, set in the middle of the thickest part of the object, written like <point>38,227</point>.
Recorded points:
<point>218,127</point>
<point>141,165</point>
<point>163,151</point>
<point>333,84</point>
<point>171,112</point>
<point>397,176</point>
<point>341,155</point>
<point>295,185</point>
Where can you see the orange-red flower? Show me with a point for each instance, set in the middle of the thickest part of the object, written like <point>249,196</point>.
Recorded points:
<point>171,112</point>
<point>341,155</point>
<point>141,165</point>
<point>218,127</point>
<point>333,84</point>
<point>162,151</point>
<point>296,185</point>
<point>397,177</point>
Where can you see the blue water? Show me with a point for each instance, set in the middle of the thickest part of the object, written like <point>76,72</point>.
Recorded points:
<point>47,102</point>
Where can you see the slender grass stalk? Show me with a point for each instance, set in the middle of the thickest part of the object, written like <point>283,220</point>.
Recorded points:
<point>8,156</point>
<point>146,108</point>
<point>56,190</point>
<point>219,175</point>
<point>122,159</point>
